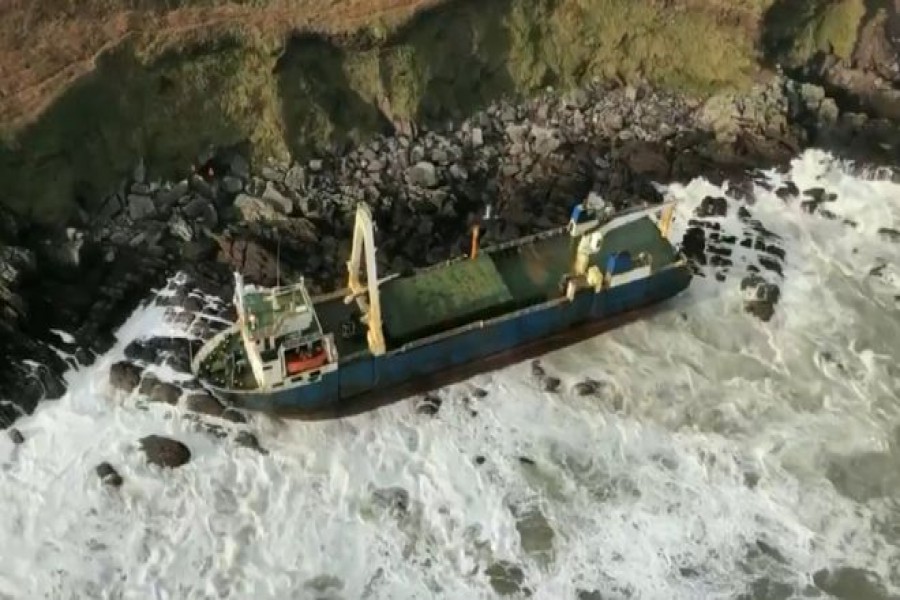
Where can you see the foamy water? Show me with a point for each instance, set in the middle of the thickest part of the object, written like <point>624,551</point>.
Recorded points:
<point>720,456</point>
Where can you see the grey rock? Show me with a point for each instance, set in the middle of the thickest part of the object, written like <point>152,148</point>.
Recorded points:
<point>506,578</point>
<point>422,174</point>
<point>164,452</point>
<point>108,475</point>
<point>517,134</point>
<point>140,172</point>
<point>315,165</point>
<point>111,207</point>
<point>233,415</point>
<point>256,209</point>
<point>179,228</point>
<point>828,111</point>
<point>201,210</point>
<point>296,178</point>
<point>545,140</point>
<point>239,166</point>
<point>140,207</point>
<point>812,95</point>
<point>457,172</point>
<point>272,174</point>
<point>125,375</point>
<point>232,185</point>
<point>16,436</point>
<point>205,404</point>
<point>247,439</point>
<point>277,199</point>
<point>160,391</point>
<point>477,137</point>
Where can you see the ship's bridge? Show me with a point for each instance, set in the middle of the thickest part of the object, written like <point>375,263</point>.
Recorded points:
<point>273,314</point>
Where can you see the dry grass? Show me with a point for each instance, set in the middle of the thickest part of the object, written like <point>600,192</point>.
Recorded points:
<point>46,45</point>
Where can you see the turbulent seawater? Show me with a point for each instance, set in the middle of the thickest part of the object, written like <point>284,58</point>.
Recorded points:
<point>721,457</point>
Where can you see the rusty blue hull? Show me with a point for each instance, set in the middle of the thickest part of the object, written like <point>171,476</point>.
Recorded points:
<point>362,374</point>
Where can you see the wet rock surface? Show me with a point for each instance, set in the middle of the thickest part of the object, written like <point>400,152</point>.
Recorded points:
<point>108,475</point>
<point>529,161</point>
<point>164,452</point>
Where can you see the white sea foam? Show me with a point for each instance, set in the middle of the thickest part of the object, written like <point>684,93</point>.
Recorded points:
<point>713,432</point>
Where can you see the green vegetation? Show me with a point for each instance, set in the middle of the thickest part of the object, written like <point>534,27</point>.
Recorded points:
<point>800,29</point>
<point>168,103</point>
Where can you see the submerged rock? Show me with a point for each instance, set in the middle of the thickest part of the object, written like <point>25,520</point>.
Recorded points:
<point>429,405</point>
<point>164,452</point>
<point>108,475</point>
<point>506,578</point>
<point>247,439</point>
<point>160,391</point>
<point>204,403</point>
<point>16,436</point>
<point>850,583</point>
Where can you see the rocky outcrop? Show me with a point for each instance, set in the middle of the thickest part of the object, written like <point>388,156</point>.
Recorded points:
<point>164,452</point>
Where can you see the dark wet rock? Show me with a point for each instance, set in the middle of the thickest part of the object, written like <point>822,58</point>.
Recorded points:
<point>850,583</point>
<point>108,475</point>
<point>429,405</point>
<point>693,244</point>
<point>587,387</point>
<point>125,376</point>
<point>688,572</point>
<point>764,588</point>
<point>551,384</point>
<point>535,533</point>
<point>324,585</point>
<point>395,500</point>
<point>770,264</point>
<point>760,296</point>
<point>204,404</point>
<point>537,370</point>
<point>589,595</point>
<point>751,479</point>
<point>164,452</point>
<point>247,439</point>
<point>788,191</point>
<point>479,393</point>
<point>159,391</point>
<point>712,206</point>
<point>770,551</point>
<point>15,436</point>
<point>479,460</point>
<point>506,578</point>
<point>233,415</point>
<point>891,235</point>
<point>527,461</point>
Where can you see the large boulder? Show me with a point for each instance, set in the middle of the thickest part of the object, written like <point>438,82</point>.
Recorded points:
<point>125,376</point>
<point>165,452</point>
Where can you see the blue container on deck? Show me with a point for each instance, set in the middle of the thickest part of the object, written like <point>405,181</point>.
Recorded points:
<point>620,262</point>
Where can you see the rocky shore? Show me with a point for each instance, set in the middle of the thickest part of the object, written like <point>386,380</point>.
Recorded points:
<point>530,161</point>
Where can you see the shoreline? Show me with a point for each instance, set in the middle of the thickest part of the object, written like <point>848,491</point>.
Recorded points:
<point>529,160</point>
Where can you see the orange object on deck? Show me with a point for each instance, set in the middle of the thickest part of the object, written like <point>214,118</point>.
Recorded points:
<point>305,362</point>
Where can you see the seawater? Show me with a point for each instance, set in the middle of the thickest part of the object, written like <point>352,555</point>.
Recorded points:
<point>720,457</point>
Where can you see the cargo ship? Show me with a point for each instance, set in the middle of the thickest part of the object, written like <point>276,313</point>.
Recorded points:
<point>288,351</point>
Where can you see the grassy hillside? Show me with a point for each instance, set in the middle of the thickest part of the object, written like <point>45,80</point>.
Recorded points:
<point>216,72</point>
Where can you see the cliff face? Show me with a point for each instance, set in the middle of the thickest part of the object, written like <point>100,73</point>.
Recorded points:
<point>163,85</point>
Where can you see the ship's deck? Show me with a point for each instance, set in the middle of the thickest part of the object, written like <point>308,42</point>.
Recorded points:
<point>452,295</point>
